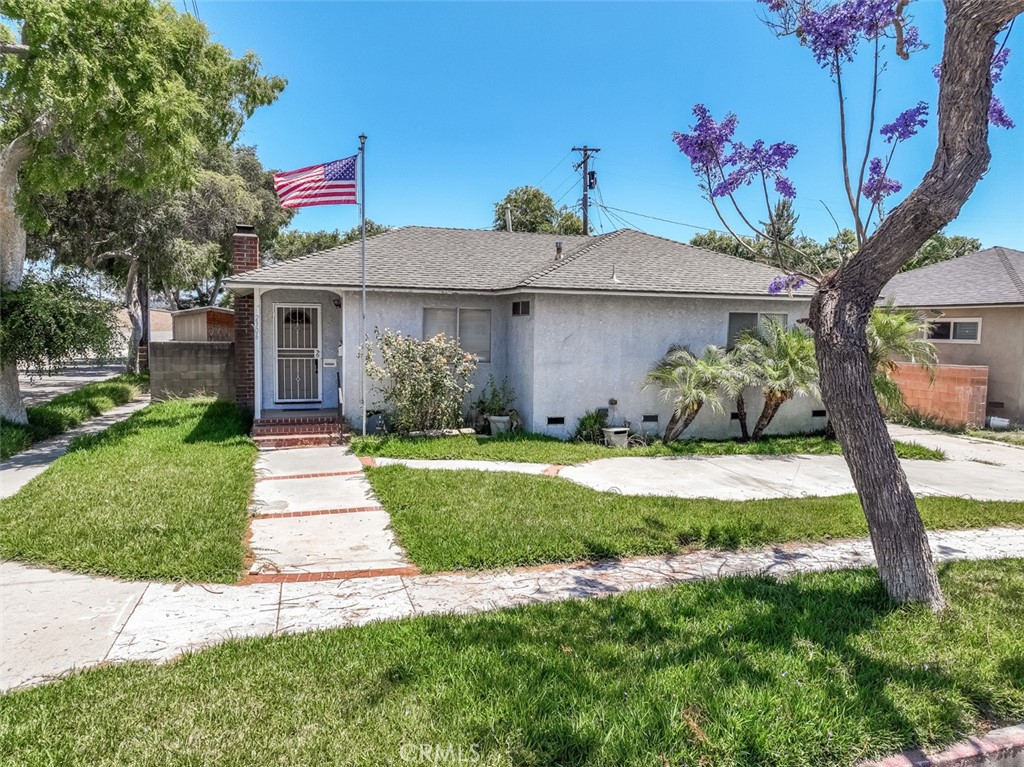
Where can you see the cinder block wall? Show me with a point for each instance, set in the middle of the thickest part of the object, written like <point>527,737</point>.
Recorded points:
<point>192,368</point>
<point>956,395</point>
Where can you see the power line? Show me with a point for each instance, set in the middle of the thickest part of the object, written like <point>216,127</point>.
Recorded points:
<point>554,168</point>
<point>658,218</point>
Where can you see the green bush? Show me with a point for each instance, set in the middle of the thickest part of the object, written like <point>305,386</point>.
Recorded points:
<point>588,427</point>
<point>423,384</point>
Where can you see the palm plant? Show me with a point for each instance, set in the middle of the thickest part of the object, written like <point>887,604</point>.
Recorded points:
<point>739,376</point>
<point>896,335</point>
<point>689,383</point>
<point>779,361</point>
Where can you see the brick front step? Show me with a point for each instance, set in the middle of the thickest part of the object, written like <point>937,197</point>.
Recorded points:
<point>297,440</point>
<point>270,429</point>
<point>297,420</point>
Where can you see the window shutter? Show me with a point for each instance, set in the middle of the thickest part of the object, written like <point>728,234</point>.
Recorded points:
<point>738,323</point>
<point>440,321</point>
<point>965,331</point>
<point>475,332</point>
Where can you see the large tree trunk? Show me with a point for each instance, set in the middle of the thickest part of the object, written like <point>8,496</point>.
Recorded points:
<point>133,304</point>
<point>677,424</point>
<point>843,302</point>
<point>13,241</point>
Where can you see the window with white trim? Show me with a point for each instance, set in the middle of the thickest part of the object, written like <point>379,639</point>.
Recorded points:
<point>962,331</point>
<point>470,327</point>
<point>740,322</point>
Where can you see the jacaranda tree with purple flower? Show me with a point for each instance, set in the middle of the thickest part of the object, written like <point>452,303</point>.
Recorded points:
<point>836,32</point>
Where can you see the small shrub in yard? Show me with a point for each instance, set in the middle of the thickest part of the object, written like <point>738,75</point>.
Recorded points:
<point>496,398</point>
<point>588,427</point>
<point>423,383</point>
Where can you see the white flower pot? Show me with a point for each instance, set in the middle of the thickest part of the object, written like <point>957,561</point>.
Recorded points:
<point>616,437</point>
<point>499,423</point>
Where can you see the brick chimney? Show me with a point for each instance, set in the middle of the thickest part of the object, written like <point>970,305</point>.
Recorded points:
<point>245,249</point>
<point>245,256</point>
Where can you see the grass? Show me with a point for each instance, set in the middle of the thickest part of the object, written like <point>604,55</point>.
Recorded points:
<point>1014,437</point>
<point>451,520</point>
<point>540,448</point>
<point>161,495</point>
<point>69,410</point>
<point>816,671</point>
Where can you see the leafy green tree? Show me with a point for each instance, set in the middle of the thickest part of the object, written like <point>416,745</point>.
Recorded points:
<point>293,244</point>
<point>47,322</point>
<point>781,363</point>
<point>533,210</point>
<point>941,247</point>
<point>126,91</point>
<point>896,336</point>
<point>689,383</point>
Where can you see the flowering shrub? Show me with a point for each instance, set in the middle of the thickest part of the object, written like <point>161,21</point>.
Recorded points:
<point>423,383</point>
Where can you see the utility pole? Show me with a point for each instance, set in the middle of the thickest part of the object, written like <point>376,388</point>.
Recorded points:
<point>588,182</point>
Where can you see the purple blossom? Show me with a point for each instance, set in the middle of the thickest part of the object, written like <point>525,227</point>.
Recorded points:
<point>997,114</point>
<point>834,32</point>
<point>774,5</point>
<point>705,147</point>
<point>999,64</point>
<point>785,187</point>
<point>786,282</point>
<point>879,186</point>
<point>906,125</point>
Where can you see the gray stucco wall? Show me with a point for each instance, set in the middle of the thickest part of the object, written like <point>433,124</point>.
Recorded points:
<point>331,322</point>
<point>1001,348</point>
<point>590,349</point>
<point>403,312</point>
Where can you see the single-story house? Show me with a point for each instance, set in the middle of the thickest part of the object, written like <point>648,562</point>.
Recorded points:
<point>976,306</point>
<point>573,322</point>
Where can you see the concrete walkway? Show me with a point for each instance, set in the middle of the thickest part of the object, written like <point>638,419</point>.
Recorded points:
<point>988,471</point>
<point>315,516</point>
<point>54,622</point>
<point>20,469</point>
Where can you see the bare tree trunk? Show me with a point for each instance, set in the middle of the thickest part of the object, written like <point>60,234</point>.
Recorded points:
<point>772,403</point>
<point>741,414</point>
<point>134,306</point>
<point>845,298</point>
<point>13,241</point>
<point>672,429</point>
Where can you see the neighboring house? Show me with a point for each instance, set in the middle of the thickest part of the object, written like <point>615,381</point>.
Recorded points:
<point>976,305</point>
<point>574,322</point>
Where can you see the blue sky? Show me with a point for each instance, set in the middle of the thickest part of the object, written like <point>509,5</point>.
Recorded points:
<point>462,101</point>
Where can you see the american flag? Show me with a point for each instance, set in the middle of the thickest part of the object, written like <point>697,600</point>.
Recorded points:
<point>333,183</point>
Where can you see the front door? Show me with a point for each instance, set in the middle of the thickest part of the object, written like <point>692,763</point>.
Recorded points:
<point>298,353</point>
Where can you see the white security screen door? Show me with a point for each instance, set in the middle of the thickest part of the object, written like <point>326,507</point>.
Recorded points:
<point>298,353</point>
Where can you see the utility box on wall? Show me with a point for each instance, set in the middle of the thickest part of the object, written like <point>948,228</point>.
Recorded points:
<point>204,323</point>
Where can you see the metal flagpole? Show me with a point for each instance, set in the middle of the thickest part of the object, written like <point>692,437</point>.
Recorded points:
<point>362,227</point>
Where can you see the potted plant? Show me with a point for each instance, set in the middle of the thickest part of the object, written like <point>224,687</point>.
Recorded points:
<point>495,402</point>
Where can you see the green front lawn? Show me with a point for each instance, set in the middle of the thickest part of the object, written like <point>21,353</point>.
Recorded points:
<point>540,448</point>
<point>162,495</point>
<point>69,410</point>
<point>451,520</point>
<point>817,671</point>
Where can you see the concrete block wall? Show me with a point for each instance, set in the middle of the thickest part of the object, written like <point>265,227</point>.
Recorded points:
<point>955,394</point>
<point>192,368</point>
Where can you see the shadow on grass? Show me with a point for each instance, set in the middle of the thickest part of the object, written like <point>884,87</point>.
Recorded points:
<point>635,639</point>
<point>212,421</point>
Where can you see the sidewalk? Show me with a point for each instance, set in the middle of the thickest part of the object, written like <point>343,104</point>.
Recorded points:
<point>18,470</point>
<point>54,622</point>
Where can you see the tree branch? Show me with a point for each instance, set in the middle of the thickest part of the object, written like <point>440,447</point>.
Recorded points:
<point>14,49</point>
<point>846,162</point>
<point>962,154</point>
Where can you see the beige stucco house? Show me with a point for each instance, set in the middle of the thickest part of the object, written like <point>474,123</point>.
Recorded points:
<point>976,305</point>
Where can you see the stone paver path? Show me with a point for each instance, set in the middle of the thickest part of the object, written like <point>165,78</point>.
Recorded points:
<point>54,622</point>
<point>315,516</point>
<point>19,470</point>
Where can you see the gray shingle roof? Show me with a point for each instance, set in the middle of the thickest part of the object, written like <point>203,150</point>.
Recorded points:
<point>992,276</point>
<point>471,260</point>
